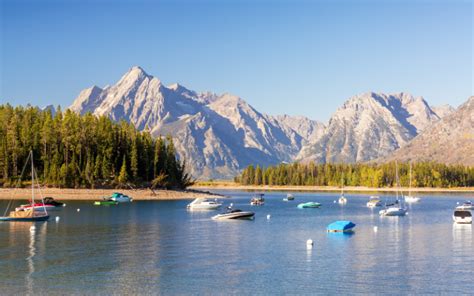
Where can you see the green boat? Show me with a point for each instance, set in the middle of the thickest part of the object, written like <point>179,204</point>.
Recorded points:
<point>310,204</point>
<point>105,203</point>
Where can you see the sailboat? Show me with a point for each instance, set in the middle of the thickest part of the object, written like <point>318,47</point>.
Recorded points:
<point>27,214</point>
<point>342,200</point>
<point>410,198</point>
<point>394,209</point>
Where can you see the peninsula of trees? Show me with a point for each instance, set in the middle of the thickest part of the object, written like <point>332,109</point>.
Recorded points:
<point>424,174</point>
<point>85,151</point>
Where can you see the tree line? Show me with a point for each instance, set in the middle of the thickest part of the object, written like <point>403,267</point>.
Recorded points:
<point>86,151</point>
<point>424,174</point>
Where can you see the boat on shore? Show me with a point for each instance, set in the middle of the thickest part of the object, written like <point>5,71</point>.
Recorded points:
<point>120,197</point>
<point>341,226</point>
<point>234,214</point>
<point>30,214</point>
<point>203,204</point>
<point>308,205</point>
<point>257,200</point>
<point>462,216</point>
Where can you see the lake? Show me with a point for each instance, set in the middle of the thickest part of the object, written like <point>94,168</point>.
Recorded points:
<point>158,247</point>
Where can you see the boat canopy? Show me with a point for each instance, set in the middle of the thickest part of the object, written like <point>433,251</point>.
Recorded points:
<point>341,226</point>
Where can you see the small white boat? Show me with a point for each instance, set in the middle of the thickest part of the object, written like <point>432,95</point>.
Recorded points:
<point>36,206</point>
<point>234,215</point>
<point>410,198</point>
<point>467,205</point>
<point>374,201</point>
<point>203,204</point>
<point>393,211</point>
<point>289,197</point>
<point>461,216</point>
<point>342,200</point>
<point>257,200</point>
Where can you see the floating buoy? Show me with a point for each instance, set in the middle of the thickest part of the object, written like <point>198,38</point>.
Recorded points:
<point>231,205</point>
<point>64,205</point>
<point>376,228</point>
<point>268,217</point>
<point>334,201</point>
<point>78,210</point>
<point>309,243</point>
<point>57,219</point>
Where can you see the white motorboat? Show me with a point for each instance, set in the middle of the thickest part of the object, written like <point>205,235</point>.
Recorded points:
<point>393,211</point>
<point>234,215</point>
<point>289,197</point>
<point>374,201</point>
<point>462,216</point>
<point>204,204</point>
<point>410,198</point>
<point>467,205</point>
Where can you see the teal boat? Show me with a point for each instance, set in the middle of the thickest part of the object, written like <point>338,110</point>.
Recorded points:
<point>341,226</point>
<point>308,205</point>
<point>105,203</point>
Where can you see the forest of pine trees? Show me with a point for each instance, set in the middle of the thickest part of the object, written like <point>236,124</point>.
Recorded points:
<point>85,151</point>
<point>424,174</point>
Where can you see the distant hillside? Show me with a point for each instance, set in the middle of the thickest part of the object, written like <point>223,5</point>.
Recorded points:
<point>451,140</point>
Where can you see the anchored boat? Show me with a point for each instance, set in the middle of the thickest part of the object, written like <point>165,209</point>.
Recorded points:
<point>203,204</point>
<point>309,205</point>
<point>31,213</point>
<point>257,200</point>
<point>234,215</point>
<point>289,197</point>
<point>462,216</point>
<point>341,226</point>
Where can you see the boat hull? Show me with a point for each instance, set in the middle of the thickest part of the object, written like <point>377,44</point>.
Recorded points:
<point>37,207</point>
<point>26,219</point>
<point>412,199</point>
<point>233,216</point>
<point>393,212</point>
<point>310,205</point>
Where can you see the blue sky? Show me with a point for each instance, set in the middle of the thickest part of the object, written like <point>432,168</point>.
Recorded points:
<point>293,57</point>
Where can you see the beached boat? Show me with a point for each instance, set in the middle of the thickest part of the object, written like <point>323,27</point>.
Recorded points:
<point>341,226</point>
<point>289,197</point>
<point>234,215</point>
<point>106,202</point>
<point>309,205</point>
<point>462,216</point>
<point>120,197</point>
<point>203,204</point>
<point>410,198</point>
<point>28,214</point>
<point>257,200</point>
<point>374,201</point>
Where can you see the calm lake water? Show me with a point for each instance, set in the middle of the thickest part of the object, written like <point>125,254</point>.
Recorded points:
<point>151,247</point>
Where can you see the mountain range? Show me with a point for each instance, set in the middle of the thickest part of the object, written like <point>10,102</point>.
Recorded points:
<point>219,134</point>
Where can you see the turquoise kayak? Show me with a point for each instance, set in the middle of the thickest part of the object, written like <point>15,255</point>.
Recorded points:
<point>308,205</point>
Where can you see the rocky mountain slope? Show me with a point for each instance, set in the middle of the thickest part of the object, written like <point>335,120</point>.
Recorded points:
<point>220,134</point>
<point>451,140</point>
<point>216,134</point>
<point>370,125</point>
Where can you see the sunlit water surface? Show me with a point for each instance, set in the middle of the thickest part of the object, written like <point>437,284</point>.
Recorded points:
<point>151,247</point>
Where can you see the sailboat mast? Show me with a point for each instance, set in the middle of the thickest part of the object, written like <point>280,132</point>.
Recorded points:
<point>409,188</point>
<point>32,180</point>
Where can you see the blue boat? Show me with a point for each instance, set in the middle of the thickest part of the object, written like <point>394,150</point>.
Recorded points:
<point>341,226</point>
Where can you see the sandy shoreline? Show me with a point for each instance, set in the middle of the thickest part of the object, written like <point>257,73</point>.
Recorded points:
<point>97,194</point>
<point>233,186</point>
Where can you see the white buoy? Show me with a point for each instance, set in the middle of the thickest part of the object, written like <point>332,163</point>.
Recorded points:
<point>64,205</point>
<point>334,201</point>
<point>309,243</point>
<point>32,228</point>
<point>376,228</point>
<point>78,210</point>
<point>57,218</point>
<point>231,205</point>
<point>268,217</point>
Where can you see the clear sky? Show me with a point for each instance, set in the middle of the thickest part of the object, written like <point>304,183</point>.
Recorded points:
<point>293,57</point>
